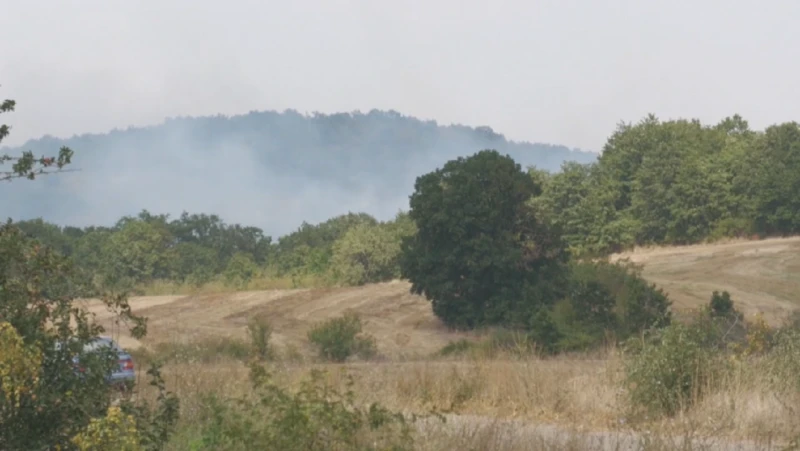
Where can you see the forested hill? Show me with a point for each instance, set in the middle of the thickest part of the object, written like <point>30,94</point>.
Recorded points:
<point>274,170</point>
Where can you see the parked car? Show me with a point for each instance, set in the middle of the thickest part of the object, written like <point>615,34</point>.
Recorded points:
<point>126,372</point>
<point>123,375</point>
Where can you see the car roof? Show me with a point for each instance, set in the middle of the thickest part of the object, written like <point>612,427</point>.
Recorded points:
<point>97,342</point>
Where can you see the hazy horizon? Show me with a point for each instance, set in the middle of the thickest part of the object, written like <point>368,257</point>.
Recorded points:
<point>563,73</point>
<point>266,169</point>
<point>6,144</point>
<point>545,71</point>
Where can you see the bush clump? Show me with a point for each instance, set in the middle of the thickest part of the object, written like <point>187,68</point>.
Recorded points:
<point>607,302</point>
<point>317,417</point>
<point>339,338</point>
<point>116,430</point>
<point>670,369</point>
<point>259,331</point>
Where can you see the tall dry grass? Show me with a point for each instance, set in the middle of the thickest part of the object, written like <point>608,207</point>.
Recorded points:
<point>577,401</point>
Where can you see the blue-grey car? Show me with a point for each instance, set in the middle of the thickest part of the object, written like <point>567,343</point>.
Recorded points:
<point>126,372</point>
<point>123,375</point>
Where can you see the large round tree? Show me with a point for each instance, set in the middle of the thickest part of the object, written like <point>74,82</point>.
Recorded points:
<point>480,255</point>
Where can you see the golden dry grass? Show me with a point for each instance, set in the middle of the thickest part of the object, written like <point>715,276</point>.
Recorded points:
<point>573,392</point>
<point>762,276</point>
<point>567,398</point>
<point>402,323</point>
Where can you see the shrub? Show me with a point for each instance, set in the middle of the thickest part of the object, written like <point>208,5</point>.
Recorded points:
<point>155,424</point>
<point>36,300</point>
<point>241,269</point>
<point>259,331</point>
<point>760,336</point>
<point>19,368</point>
<point>606,301</point>
<point>338,338</point>
<point>784,359</point>
<point>670,369</point>
<point>133,427</point>
<point>585,316</point>
<point>721,304</point>
<point>638,305</point>
<point>114,431</point>
<point>317,417</point>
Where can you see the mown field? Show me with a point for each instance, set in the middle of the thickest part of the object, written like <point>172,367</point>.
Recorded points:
<point>762,276</point>
<point>567,402</point>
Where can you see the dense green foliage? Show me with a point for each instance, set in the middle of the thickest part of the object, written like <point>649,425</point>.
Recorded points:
<point>656,182</point>
<point>678,182</point>
<point>607,301</point>
<point>196,249</point>
<point>480,255</point>
<point>45,401</point>
<point>483,258</point>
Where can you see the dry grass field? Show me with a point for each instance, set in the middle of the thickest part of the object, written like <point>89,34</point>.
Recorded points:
<point>569,402</point>
<point>762,276</point>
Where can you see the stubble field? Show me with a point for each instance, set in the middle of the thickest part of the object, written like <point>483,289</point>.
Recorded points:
<point>569,402</point>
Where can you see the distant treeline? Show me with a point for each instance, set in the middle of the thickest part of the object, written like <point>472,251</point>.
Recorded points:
<point>678,182</point>
<point>197,249</point>
<point>674,182</point>
<point>295,167</point>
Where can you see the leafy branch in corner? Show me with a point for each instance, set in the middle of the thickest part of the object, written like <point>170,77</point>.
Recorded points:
<point>28,166</point>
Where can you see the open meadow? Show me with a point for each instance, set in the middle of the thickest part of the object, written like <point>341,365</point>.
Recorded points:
<point>492,400</point>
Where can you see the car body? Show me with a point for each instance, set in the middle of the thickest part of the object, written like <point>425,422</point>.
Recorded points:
<point>126,372</point>
<point>122,375</point>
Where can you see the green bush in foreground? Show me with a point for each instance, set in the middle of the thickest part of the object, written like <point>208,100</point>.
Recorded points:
<point>317,417</point>
<point>669,371</point>
<point>338,338</point>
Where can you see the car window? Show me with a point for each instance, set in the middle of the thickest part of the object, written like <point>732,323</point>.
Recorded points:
<point>101,343</point>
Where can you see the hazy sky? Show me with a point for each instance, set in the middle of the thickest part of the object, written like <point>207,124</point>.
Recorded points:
<point>553,71</point>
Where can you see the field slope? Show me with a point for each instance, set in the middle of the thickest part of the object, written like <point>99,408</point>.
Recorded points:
<point>762,276</point>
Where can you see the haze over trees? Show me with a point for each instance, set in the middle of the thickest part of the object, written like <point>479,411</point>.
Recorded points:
<point>268,169</point>
<point>485,240</point>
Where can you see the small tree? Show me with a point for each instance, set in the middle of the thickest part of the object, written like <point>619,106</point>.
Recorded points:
<point>721,304</point>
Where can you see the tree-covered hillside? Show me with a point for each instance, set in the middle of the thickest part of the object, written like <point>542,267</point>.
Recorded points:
<point>269,169</point>
<point>679,182</point>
